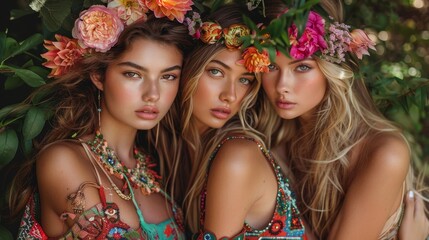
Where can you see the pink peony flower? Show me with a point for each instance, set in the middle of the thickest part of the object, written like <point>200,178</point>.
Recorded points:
<point>254,61</point>
<point>98,27</point>
<point>170,8</point>
<point>360,43</point>
<point>310,42</point>
<point>129,10</point>
<point>62,55</point>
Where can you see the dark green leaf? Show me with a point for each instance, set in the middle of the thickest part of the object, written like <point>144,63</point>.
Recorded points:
<point>29,77</point>
<point>54,12</point>
<point>8,146</point>
<point>216,4</point>
<point>27,146</point>
<point>3,46</point>
<point>18,13</point>
<point>12,82</point>
<point>88,3</point>
<point>27,44</point>
<point>33,123</point>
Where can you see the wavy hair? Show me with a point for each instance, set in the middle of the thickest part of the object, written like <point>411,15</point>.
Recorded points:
<point>319,158</point>
<point>73,98</point>
<point>191,158</point>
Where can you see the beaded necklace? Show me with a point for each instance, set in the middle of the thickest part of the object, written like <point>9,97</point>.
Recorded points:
<point>141,177</point>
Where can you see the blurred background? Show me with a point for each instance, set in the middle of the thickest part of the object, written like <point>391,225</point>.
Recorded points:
<point>397,75</point>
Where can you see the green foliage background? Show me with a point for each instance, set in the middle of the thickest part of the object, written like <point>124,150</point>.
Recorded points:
<point>397,75</point>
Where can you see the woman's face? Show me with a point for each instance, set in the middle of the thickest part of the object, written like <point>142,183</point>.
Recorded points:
<point>140,85</point>
<point>220,90</point>
<point>294,87</point>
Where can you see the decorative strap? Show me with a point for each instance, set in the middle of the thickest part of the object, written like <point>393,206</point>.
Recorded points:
<point>207,235</point>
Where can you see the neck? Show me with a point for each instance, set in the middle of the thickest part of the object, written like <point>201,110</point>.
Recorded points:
<point>122,141</point>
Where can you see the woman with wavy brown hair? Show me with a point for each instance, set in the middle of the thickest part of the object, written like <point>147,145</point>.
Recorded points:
<point>93,176</point>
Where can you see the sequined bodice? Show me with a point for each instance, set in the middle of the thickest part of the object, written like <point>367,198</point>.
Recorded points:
<point>286,222</point>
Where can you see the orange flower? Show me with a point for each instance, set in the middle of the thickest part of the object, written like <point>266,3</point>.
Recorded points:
<point>210,32</point>
<point>170,8</point>
<point>254,61</point>
<point>233,34</point>
<point>62,55</point>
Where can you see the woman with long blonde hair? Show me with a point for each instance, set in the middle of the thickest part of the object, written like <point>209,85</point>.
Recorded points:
<point>235,188</point>
<point>351,165</point>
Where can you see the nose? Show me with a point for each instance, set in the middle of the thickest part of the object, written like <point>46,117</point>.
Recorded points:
<point>151,91</point>
<point>284,82</point>
<point>228,93</point>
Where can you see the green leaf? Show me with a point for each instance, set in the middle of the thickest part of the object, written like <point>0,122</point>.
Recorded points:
<point>33,123</point>
<point>27,146</point>
<point>13,82</point>
<point>29,77</point>
<point>8,146</point>
<point>3,46</point>
<point>27,44</point>
<point>216,4</point>
<point>54,12</point>
<point>18,13</point>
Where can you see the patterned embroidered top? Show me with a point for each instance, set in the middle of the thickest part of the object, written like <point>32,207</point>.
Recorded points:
<point>285,223</point>
<point>101,221</point>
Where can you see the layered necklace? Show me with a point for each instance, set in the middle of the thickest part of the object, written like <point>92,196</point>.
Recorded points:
<point>141,177</point>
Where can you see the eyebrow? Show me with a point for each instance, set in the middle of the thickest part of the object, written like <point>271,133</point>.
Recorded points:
<point>141,68</point>
<point>229,68</point>
<point>301,60</point>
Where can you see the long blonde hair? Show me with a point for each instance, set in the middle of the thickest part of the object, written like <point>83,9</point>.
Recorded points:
<point>191,158</point>
<point>320,157</point>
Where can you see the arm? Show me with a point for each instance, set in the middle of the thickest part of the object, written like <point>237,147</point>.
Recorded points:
<point>375,192</point>
<point>237,179</point>
<point>60,170</point>
<point>415,224</point>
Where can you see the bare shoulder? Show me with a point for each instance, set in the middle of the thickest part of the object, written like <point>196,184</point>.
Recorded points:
<point>239,156</point>
<point>60,169</point>
<point>388,153</point>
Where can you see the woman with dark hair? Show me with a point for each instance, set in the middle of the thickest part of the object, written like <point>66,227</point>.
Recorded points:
<point>92,177</point>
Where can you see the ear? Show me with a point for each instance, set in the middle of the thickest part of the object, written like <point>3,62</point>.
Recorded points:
<point>97,80</point>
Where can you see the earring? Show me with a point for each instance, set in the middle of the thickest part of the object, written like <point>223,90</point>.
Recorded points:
<point>99,110</point>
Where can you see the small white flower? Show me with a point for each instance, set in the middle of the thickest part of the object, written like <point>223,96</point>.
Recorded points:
<point>36,5</point>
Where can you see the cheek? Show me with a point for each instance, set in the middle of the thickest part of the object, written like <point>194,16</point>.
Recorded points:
<point>170,92</point>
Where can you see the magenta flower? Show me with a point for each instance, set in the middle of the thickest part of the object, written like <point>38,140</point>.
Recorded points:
<point>98,27</point>
<point>311,41</point>
<point>62,55</point>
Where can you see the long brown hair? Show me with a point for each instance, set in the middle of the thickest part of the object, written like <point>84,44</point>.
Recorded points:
<point>73,98</point>
<point>320,157</point>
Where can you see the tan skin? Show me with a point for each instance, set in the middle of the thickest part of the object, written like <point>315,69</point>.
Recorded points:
<point>241,185</point>
<point>376,190</point>
<point>133,81</point>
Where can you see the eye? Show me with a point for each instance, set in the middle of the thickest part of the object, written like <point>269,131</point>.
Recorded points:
<point>303,68</point>
<point>169,77</point>
<point>272,67</point>
<point>131,75</point>
<point>245,81</point>
<point>215,72</point>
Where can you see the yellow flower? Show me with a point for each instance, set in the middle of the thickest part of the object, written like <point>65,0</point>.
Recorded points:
<point>233,34</point>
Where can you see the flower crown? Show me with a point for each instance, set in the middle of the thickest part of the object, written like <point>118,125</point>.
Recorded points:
<point>97,29</point>
<point>332,39</point>
<point>328,39</point>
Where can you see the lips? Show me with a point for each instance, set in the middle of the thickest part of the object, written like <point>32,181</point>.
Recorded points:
<point>286,105</point>
<point>221,112</point>
<point>148,113</point>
